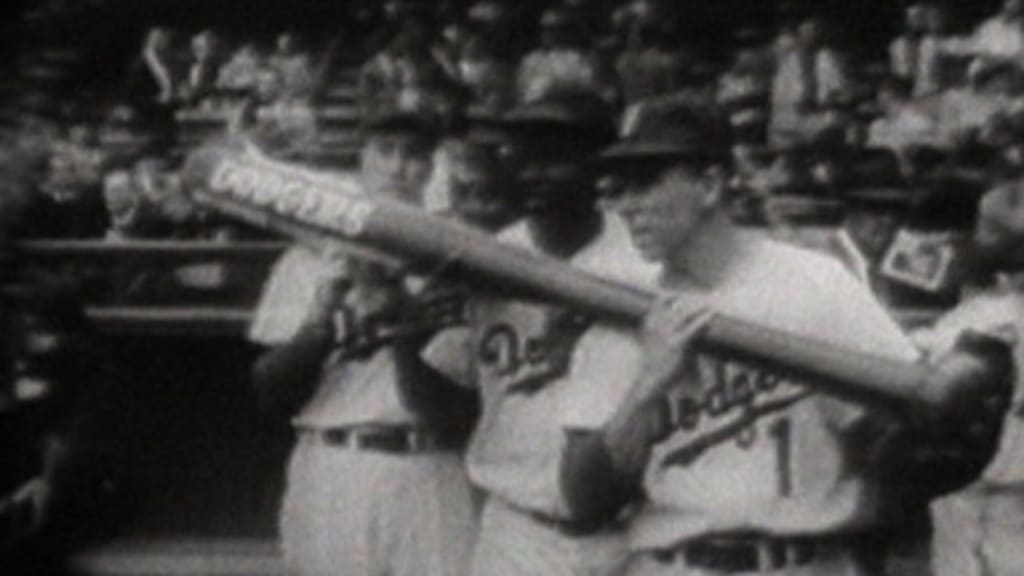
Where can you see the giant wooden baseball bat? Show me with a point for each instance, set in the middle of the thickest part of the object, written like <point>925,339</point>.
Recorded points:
<point>314,207</point>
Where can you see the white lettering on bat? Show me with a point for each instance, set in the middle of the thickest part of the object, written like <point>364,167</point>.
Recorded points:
<point>291,198</point>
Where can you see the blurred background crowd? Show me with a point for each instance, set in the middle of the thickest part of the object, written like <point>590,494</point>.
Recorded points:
<point>101,105</point>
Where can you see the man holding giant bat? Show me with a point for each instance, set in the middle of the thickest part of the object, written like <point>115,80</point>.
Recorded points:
<point>375,481</point>
<point>537,365</point>
<point>745,465</point>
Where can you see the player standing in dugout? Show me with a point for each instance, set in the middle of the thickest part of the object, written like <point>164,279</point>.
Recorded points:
<point>537,366</point>
<point>743,467</point>
<point>375,481</point>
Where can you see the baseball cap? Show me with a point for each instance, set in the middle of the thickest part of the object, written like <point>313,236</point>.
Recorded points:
<point>564,107</point>
<point>484,126</point>
<point>874,180</point>
<point>668,130</point>
<point>427,111</point>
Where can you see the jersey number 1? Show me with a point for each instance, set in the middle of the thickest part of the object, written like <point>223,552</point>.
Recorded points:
<point>781,432</point>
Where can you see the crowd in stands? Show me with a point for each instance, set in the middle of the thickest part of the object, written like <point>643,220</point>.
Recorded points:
<point>948,104</point>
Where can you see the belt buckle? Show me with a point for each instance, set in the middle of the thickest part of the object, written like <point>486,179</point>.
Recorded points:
<point>354,440</point>
<point>414,441</point>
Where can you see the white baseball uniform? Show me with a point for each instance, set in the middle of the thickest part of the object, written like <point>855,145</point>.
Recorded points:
<point>754,452</point>
<point>541,372</point>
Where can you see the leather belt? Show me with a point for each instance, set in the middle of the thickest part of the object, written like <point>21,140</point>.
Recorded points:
<point>742,554</point>
<point>388,439</point>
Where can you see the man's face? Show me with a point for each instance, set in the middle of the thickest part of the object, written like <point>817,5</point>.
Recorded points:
<point>397,165</point>
<point>662,214</point>
<point>936,20</point>
<point>916,18</point>
<point>547,164</point>
<point>811,32</point>
<point>478,193</point>
<point>1000,221</point>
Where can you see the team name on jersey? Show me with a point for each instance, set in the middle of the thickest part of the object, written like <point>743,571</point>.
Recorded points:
<point>722,401</point>
<point>524,353</point>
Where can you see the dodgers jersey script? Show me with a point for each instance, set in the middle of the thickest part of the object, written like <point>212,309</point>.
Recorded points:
<point>752,449</point>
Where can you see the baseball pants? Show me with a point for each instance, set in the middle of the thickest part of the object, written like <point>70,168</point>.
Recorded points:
<point>513,543</point>
<point>362,513</point>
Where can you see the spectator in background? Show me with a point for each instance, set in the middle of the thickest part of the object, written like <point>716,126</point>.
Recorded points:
<point>490,80</point>
<point>292,68</point>
<point>810,74</point>
<point>905,50</point>
<point>131,217</point>
<point>69,203</point>
<point>743,90</point>
<point>454,34</point>
<point>1001,37</point>
<point>648,67</point>
<point>941,65</point>
<point>76,163</point>
<point>242,71</point>
<point>921,55</point>
<point>904,122</point>
<point>204,69</point>
<point>407,63</point>
<point>162,65</point>
<point>563,58</point>
<point>994,88</point>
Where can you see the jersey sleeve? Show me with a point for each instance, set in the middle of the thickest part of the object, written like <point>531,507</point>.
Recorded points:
<point>289,293</point>
<point>603,369</point>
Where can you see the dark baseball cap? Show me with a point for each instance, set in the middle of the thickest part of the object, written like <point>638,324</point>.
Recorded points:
<point>429,111</point>
<point>565,108</point>
<point>668,131</point>
<point>874,180</point>
<point>393,120</point>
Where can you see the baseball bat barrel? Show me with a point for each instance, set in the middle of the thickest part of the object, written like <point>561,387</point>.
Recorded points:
<point>306,204</point>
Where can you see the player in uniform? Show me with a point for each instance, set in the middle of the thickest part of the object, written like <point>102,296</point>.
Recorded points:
<point>376,484</point>
<point>745,469</point>
<point>539,367</point>
<point>977,530</point>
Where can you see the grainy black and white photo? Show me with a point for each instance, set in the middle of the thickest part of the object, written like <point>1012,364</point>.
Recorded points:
<point>512,288</point>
